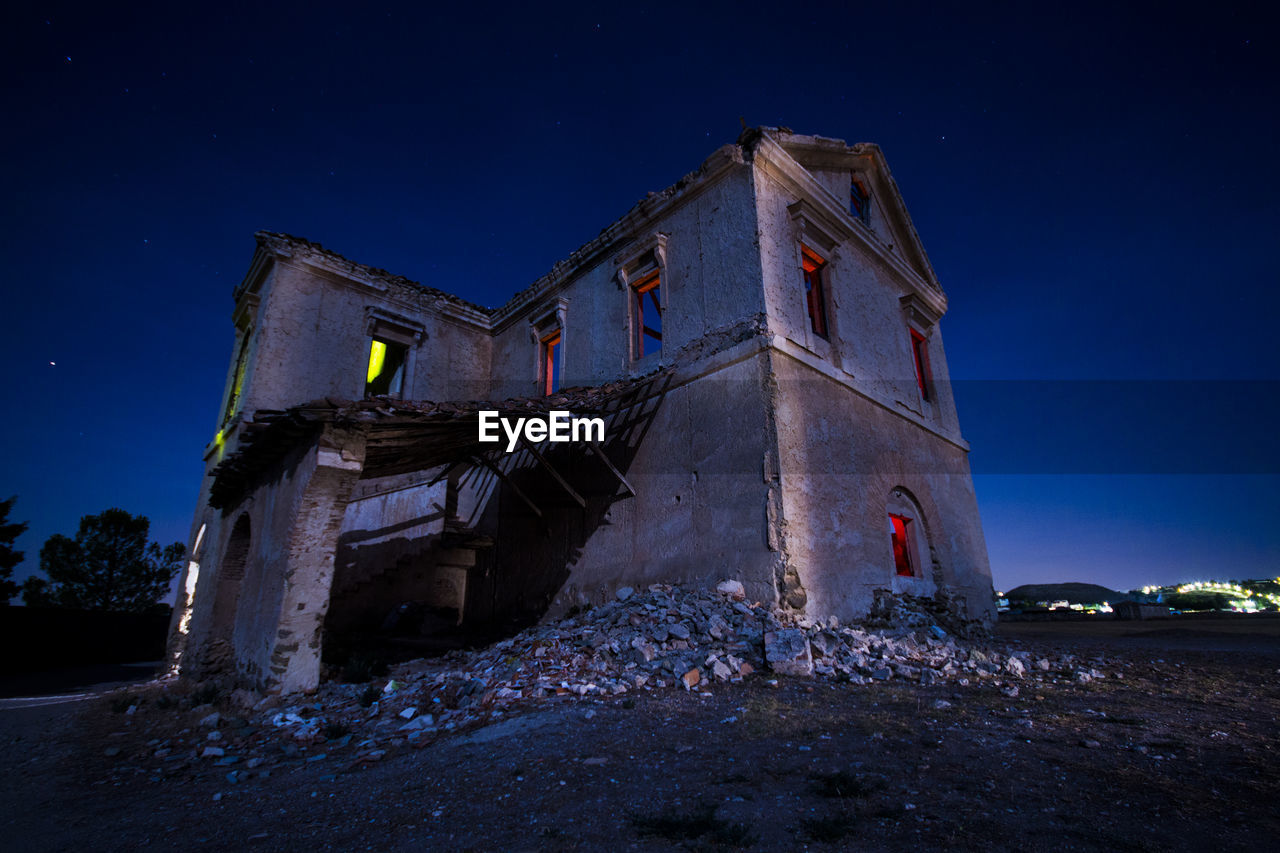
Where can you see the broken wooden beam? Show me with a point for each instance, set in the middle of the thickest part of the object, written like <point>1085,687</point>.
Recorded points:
<point>481,460</point>
<point>599,451</point>
<point>533,450</point>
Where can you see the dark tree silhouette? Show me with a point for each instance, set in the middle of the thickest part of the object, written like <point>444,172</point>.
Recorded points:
<point>9,558</point>
<point>109,565</point>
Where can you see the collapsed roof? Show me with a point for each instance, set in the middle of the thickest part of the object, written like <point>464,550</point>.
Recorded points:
<point>408,435</point>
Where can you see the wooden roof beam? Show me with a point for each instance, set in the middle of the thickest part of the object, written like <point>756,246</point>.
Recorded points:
<point>595,448</point>
<point>481,460</point>
<point>533,450</point>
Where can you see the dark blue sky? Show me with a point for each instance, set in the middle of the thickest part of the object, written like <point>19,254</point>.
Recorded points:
<point>1096,186</point>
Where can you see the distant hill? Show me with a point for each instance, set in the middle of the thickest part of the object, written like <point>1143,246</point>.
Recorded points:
<point>1075,593</point>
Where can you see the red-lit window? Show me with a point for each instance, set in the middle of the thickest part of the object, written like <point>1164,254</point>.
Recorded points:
<point>815,298</point>
<point>551,360</point>
<point>899,530</point>
<point>920,353</point>
<point>647,318</point>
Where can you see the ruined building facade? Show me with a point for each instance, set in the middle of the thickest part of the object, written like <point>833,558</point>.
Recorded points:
<point>762,341</point>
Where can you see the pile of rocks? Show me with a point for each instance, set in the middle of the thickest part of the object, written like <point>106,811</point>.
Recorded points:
<point>663,637</point>
<point>646,640</point>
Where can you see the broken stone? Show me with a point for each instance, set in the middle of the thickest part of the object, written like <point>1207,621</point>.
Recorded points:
<point>211,719</point>
<point>733,589</point>
<point>691,678</point>
<point>418,725</point>
<point>787,652</point>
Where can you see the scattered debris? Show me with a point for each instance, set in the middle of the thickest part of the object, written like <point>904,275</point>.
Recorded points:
<point>657,638</point>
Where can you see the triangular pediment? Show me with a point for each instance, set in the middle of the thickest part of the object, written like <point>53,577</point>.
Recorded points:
<point>835,165</point>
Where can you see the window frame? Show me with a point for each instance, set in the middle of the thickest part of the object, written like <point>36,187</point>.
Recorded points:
<point>552,373</point>
<point>903,545</point>
<point>859,199</point>
<point>395,389</point>
<point>235,389</point>
<point>920,359</point>
<point>547,333</point>
<point>388,328</point>
<point>902,506</point>
<point>640,332</point>
<point>814,275</point>
<point>644,265</point>
<point>921,321</point>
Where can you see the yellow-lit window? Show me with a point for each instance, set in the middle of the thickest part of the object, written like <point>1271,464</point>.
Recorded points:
<point>385,377</point>
<point>237,379</point>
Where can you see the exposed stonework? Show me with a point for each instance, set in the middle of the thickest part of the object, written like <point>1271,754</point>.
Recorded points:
<point>794,430</point>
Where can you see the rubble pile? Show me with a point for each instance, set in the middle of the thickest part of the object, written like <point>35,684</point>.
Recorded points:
<point>666,637</point>
<point>661,637</point>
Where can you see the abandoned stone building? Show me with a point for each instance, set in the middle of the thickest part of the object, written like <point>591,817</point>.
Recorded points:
<point>760,340</point>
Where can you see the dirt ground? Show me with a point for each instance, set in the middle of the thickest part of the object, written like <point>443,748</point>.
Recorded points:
<point>1176,749</point>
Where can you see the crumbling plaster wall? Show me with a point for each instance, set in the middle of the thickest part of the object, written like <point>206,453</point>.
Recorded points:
<point>852,424</point>
<point>700,513</point>
<point>313,341</point>
<point>295,515</point>
<point>869,341</point>
<point>711,281</point>
<point>842,455</point>
<point>701,510</point>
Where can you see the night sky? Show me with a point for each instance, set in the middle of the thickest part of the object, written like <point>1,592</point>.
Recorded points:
<point>1096,187</point>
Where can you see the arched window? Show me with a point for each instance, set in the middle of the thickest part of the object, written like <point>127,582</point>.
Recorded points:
<point>907,537</point>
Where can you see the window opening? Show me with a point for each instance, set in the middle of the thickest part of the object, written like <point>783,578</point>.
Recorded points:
<point>815,298</point>
<point>920,354</point>
<point>648,319</point>
<point>859,199</point>
<point>386,368</point>
<point>237,379</point>
<point>900,532</point>
<point>551,361</point>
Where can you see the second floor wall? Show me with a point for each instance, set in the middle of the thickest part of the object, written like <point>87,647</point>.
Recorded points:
<point>751,235</point>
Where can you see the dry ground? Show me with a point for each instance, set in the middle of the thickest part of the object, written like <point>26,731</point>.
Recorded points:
<point>1180,752</point>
